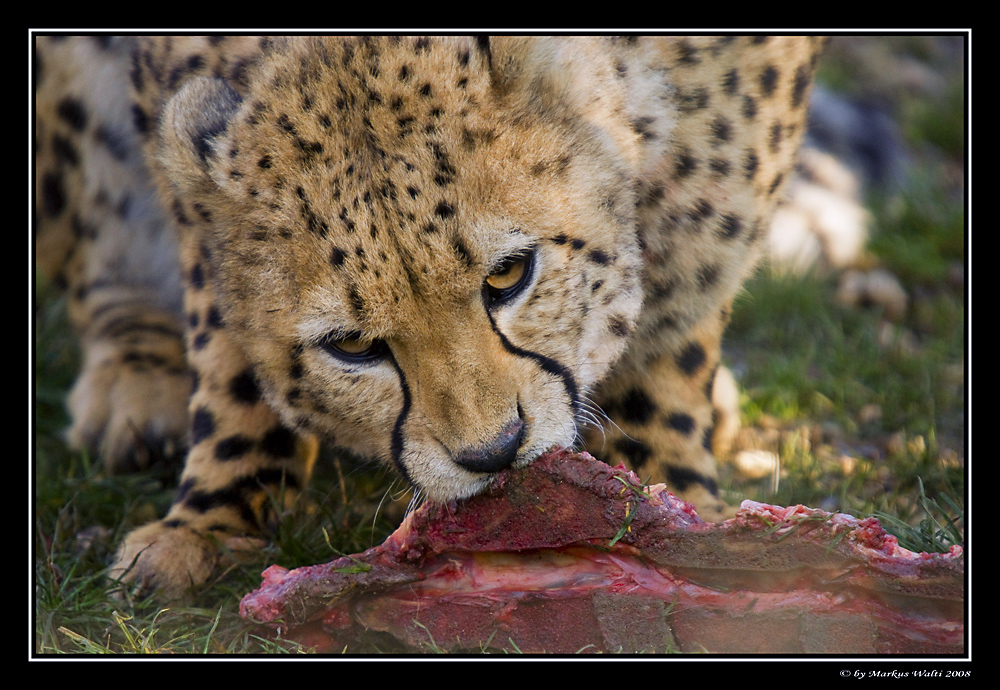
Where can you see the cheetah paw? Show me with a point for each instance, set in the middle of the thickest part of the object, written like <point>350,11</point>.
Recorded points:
<point>164,559</point>
<point>130,416</point>
<point>169,560</point>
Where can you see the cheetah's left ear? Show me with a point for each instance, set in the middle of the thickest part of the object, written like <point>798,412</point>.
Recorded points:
<point>193,119</point>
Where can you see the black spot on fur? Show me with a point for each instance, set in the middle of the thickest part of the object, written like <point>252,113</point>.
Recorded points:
<point>769,81</point>
<point>636,452</point>
<point>685,164</point>
<point>731,82</point>
<point>775,183</point>
<point>598,256</point>
<point>213,319</point>
<point>642,127</point>
<point>286,124</point>
<point>682,478</point>
<point>348,223</point>
<point>707,276</point>
<point>72,112</point>
<point>702,209</point>
<point>237,494</point>
<point>706,438</point>
<point>197,277</point>
<point>681,422</point>
<point>637,407</point>
<point>462,251</point>
<point>691,359</point>
<point>803,77</point>
<point>53,194</point>
<point>233,447</point>
<point>483,44</point>
<point>244,387</point>
<point>719,166</point>
<point>730,226</point>
<point>774,137</point>
<point>721,129</point>
<point>279,442</point>
<point>65,151</point>
<point>203,212</point>
<point>140,119</point>
<point>687,54</point>
<point>309,148</point>
<point>690,101</point>
<point>354,297</point>
<point>750,164</point>
<point>178,211</point>
<point>143,361</point>
<point>651,194</point>
<point>315,224</point>
<point>200,341</point>
<point>202,425</point>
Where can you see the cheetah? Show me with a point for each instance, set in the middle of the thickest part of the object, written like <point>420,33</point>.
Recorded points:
<point>449,254</point>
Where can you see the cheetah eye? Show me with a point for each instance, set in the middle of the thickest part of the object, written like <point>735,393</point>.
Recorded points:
<point>354,349</point>
<point>509,279</point>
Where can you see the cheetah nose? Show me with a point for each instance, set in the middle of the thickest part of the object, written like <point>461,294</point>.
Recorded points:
<point>496,454</point>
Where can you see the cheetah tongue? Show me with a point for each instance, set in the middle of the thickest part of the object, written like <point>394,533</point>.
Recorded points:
<point>570,554</point>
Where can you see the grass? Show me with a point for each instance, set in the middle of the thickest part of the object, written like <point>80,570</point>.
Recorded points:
<point>857,422</point>
<point>866,415</point>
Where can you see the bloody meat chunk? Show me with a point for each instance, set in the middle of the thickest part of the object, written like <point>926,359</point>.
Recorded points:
<point>570,554</point>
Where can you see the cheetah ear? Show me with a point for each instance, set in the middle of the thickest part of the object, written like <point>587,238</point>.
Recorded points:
<point>193,120</point>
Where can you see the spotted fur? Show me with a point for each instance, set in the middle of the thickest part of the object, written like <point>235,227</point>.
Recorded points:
<point>445,253</point>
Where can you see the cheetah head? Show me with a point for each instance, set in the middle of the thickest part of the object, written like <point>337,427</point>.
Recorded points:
<point>426,247</point>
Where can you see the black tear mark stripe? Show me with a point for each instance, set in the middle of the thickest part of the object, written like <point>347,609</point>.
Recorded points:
<point>397,429</point>
<point>548,364</point>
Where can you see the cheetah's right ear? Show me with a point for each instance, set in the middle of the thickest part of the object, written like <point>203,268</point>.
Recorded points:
<point>193,120</point>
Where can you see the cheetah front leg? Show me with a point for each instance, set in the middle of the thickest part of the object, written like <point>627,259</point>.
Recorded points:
<point>243,468</point>
<point>102,236</point>
<point>664,419</point>
<point>128,404</point>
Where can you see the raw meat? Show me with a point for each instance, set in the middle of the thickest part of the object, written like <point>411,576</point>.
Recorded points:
<point>572,555</point>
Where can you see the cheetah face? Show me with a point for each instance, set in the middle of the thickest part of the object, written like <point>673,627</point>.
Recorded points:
<point>421,267</point>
